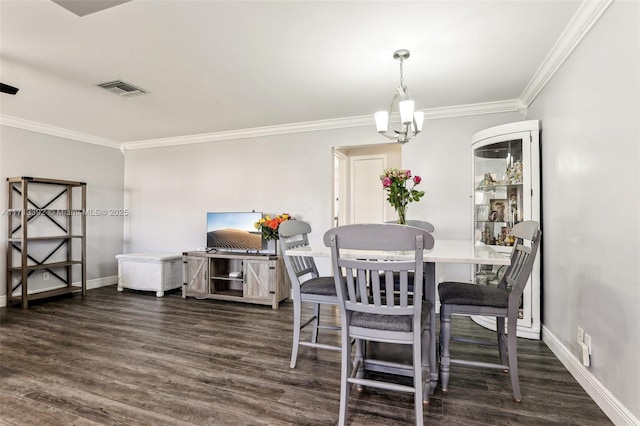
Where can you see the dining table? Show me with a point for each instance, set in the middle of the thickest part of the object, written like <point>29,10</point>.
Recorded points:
<point>444,251</point>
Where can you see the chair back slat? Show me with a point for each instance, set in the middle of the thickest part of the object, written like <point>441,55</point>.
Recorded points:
<point>376,289</point>
<point>522,257</point>
<point>389,285</point>
<point>293,234</point>
<point>351,286</point>
<point>404,288</point>
<point>303,265</point>
<point>362,285</point>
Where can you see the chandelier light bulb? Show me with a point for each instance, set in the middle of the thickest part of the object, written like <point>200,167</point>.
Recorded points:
<point>406,111</point>
<point>382,121</point>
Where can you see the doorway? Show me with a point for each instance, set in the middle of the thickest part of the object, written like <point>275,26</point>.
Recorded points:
<point>358,194</point>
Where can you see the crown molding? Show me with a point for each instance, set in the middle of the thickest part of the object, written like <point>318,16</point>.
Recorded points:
<point>314,126</point>
<point>46,129</point>
<point>309,126</point>
<point>254,132</point>
<point>587,15</point>
<point>495,107</point>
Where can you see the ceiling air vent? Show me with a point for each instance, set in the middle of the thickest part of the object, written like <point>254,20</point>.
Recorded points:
<point>122,88</point>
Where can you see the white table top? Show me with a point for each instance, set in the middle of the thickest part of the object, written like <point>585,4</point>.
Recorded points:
<point>444,251</point>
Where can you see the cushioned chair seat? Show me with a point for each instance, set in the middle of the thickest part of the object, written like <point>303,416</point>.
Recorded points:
<point>321,285</point>
<point>389,322</point>
<point>472,294</point>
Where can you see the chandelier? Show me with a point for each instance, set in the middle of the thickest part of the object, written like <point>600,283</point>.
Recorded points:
<point>410,120</point>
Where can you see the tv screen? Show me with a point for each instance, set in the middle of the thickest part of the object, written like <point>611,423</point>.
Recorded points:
<point>234,231</point>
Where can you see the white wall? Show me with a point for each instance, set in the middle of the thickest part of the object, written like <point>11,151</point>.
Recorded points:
<point>27,153</point>
<point>170,189</point>
<point>591,193</point>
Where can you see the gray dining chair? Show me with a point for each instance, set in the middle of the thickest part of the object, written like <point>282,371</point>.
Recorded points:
<point>502,302</point>
<point>400,319</point>
<point>307,286</point>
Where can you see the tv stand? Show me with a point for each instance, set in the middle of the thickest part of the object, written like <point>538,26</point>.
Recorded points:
<point>238,277</point>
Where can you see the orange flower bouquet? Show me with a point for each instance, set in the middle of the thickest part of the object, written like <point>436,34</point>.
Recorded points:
<point>269,226</point>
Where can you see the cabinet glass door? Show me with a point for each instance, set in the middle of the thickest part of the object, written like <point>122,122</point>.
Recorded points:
<point>498,192</point>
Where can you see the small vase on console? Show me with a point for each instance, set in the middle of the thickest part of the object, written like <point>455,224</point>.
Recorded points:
<point>273,246</point>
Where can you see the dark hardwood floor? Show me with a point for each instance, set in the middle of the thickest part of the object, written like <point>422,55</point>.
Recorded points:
<point>133,359</point>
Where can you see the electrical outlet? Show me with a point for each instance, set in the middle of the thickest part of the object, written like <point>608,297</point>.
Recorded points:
<point>587,341</point>
<point>584,354</point>
<point>45,276</point>
<point>580,335</point>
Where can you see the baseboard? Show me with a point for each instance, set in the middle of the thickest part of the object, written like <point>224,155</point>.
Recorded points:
<point>100,282</point>
<point>91,284</point>
<point>608,403</point>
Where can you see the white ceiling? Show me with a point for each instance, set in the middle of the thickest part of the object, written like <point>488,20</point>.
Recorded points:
<point>218,66</point>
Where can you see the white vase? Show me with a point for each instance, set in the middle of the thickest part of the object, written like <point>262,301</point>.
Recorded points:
<point>273,247</point>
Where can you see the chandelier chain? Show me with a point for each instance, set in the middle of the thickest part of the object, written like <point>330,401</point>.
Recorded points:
<point>402,74</point>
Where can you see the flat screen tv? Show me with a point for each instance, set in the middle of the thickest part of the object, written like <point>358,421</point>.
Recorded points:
<point>235,232</point>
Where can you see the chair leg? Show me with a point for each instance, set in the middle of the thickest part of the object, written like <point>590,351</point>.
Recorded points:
<point>512,342</point>
<point>358,359</point>
<point>445,337</point>
<point>439,347</point>
<point>418,382</point>
<point>502,350</point>
<point>426,366</point>
<point>297,312</point>
<point>344,376</point>
<point>315,323</point>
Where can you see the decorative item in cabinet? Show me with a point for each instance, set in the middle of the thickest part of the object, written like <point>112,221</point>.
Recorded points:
<point>46,238</point>
<point>506,191</point>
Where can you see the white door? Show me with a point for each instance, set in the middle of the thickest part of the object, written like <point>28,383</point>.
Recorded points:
<point>340,188</point>
<point>367,196</point>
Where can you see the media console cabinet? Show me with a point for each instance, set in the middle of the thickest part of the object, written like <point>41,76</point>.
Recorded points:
<point>247,278</point>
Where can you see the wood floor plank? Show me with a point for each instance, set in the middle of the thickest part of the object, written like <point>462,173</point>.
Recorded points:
<point>19,409</point>
<point>131,358</point>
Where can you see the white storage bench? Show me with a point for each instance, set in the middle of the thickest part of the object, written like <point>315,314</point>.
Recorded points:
<point>153,271</point>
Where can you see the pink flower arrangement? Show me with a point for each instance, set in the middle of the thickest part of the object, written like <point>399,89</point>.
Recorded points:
<point>394,181</point>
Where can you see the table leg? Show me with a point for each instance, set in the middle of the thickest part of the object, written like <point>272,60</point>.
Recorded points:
<point>430,295</point>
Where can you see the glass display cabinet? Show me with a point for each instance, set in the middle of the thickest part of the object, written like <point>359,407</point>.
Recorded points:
<point>506,190</point>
